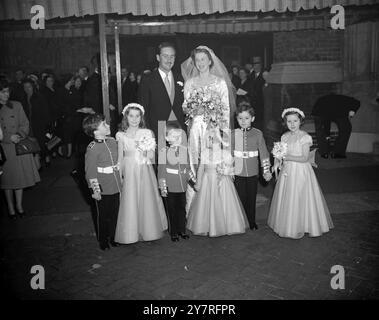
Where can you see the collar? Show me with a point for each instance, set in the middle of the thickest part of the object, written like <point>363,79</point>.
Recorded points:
<point>99,140</point>
<point>247,129</point>
<point>163,74</point>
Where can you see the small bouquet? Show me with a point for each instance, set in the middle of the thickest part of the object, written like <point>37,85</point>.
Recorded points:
<point>145,144</point>
<point>279,151</point>
<point>207,102</point>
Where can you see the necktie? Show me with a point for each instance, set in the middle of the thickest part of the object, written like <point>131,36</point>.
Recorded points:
<point>167,84</point>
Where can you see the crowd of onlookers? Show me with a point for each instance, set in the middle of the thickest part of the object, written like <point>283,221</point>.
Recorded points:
<point>249,82</point>
<point>51,104</point>
<point>51,108</point>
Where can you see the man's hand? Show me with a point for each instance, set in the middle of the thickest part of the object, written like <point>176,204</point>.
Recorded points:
<point>197,186</point>
<point>15,138</point>
<point>351,114</point>
<point>112,107</point>
<point>96,196</point>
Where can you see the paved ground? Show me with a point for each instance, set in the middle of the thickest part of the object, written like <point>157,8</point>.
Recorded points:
<point>58,234</point>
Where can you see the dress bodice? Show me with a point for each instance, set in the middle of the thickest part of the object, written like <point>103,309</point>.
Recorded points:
<point>216,84</point>
<point>130,144</point>
<point>295,142</point>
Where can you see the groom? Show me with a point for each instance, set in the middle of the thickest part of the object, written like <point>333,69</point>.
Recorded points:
<point>161,93</point>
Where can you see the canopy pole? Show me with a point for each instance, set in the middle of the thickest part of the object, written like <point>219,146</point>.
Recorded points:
<point>104,66</point>
<point>118,66</point>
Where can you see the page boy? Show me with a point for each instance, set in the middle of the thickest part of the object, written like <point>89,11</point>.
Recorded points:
<point>174,173</point>
<point>103,177</point>
<point>247,145</point>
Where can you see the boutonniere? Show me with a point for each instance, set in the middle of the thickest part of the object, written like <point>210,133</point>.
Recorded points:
<point>179,83</point>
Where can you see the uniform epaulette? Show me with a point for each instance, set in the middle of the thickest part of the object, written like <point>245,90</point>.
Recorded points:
<point>256,130</point>
<point>110,138</point>
<point>91,145</point>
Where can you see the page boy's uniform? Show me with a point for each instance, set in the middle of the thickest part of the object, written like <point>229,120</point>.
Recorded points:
<point>247,145</point>
<point>173,177</point>
<point>103,176</point>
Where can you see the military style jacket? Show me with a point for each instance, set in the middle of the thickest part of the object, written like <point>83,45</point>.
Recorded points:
<point>175,173</point>
<point>102,172</point>
<point>247,145</point>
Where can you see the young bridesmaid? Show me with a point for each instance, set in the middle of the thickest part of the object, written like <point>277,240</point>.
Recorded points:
<point>298,205</point>
<point>142,215</point>
<point>216,209</point>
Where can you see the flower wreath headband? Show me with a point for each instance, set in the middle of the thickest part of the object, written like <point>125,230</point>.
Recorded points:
<point>133,105</point>
<point>293,110</point>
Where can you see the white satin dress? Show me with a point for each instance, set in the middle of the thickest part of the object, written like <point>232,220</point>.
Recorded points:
<point>298,205</point>
<point>197,129</point>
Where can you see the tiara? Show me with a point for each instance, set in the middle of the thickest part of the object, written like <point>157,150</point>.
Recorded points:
<point>293,110</point>
<point>133,105</point>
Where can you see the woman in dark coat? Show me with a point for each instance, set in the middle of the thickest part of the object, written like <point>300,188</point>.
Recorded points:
<point>70,100</point>
<point>49,91</point>
<point>19,172</point>
<point>245,84</point>
<point>131,89</point>
<point>37,111</point>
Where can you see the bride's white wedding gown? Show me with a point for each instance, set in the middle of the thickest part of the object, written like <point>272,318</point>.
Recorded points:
<point>197,129</point>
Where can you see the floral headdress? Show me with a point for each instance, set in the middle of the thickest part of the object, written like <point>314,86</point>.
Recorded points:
<point>285,111</point>
<point>133,105</point>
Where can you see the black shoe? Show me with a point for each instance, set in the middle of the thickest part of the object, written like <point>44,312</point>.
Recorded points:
<point>325,156</point>
<point>254,226</point>
<point>337,156</point>
<point>184,235</point>
<point>114,244</point>
<point>174,238</point>
<point>104,246</point>
<point>12,216</point>
<point>21,214</point>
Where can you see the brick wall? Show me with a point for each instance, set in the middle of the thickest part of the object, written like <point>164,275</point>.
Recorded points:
<point>63,55</point>
<point>308,45</point>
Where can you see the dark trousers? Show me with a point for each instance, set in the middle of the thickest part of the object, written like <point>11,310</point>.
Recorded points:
<point>176,209</point>
<point>247,188</point>
<point>344,131</point>
<point>322,127</point>
<point>107,212</point>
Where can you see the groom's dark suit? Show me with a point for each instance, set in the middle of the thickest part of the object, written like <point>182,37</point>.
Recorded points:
<point>153,96</point>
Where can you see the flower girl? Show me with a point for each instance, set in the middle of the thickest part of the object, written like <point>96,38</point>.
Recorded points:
<point>141,215</point>
<point>216,209</point>
<point>298,205</point>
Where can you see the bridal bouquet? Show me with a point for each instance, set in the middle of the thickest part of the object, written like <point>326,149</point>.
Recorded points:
<point>207,102</point>
<point>279,151</point>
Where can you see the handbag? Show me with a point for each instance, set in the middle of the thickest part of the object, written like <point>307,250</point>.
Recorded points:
<point>2,156</point>
<point>27,145</point>
<point>53,142</point>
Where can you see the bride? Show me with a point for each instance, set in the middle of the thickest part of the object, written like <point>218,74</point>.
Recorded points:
<point>203,71</point>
